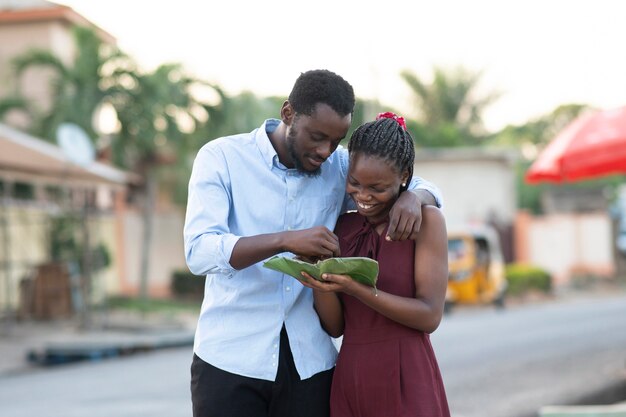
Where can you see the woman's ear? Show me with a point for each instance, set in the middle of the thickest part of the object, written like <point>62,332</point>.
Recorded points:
<point>405,179</point>
<point>286,113</point>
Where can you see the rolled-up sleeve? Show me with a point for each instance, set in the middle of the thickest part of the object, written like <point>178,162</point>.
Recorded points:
<point>207,238</point>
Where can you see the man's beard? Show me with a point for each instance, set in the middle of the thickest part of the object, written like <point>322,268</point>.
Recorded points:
<point>297,162</point>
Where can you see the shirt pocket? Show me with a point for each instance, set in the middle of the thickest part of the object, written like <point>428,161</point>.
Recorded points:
<point>317,211</point>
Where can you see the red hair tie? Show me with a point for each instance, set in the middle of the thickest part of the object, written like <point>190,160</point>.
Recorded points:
<point>390,115</point>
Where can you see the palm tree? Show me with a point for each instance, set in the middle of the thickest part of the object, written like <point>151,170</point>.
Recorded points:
<point>11,103</point>
<point>449,107</point>
<point>156,112</point>
<point>77,89</point>
<point>158,115</point>
<point>539,131</point>
<point>530,138</point>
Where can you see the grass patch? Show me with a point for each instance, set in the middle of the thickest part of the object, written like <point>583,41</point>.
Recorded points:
<point>524,278</point>
<point>153,305</point>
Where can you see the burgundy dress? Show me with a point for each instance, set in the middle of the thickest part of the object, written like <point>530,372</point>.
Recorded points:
<point>384,369</point>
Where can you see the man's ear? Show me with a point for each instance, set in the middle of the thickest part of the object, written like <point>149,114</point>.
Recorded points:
<point>287,113</point>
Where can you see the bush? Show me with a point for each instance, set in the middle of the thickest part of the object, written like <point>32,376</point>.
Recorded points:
<point>522,278</point>
<point>152,305</point>
<point>184,284</point>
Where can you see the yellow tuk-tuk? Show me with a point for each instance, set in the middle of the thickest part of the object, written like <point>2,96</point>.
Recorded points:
<point>476,267</point>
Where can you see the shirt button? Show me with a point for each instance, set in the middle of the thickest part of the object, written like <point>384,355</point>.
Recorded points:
<point>289,228</point>
<point>287,288</point>
<point>275,346</point>
<point>274,356</point>
<point>273,363</point>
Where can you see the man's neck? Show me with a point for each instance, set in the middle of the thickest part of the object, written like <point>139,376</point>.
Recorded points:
<point>278,139</point>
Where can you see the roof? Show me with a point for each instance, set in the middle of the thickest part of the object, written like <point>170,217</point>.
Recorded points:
<point>28,158</point>
<point>28,11</point>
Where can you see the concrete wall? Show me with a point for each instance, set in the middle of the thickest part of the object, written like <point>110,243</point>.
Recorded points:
<point>167,254</point>
<point>567,244</point>
<point>24,244</point>
<point>477,186</point>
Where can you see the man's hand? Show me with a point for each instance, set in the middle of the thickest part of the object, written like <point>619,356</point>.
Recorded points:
<point>312,244</point>
<point>405,217</point>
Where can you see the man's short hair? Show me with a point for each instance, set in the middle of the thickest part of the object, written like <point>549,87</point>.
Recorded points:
<point>321,86</point>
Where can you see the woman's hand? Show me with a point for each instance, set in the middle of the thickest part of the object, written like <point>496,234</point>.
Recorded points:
<point>330,283</point>
<point>326,303</point>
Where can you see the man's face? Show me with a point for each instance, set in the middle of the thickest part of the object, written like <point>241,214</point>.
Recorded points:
<point>312,139</point>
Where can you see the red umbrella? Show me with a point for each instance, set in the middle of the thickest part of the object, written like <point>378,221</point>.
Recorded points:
<point>593,145</point>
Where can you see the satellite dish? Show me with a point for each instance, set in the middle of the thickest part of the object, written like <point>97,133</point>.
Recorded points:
<point>75,144</point>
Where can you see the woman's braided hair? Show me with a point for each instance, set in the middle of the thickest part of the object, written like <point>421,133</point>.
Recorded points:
<point>388,139</point>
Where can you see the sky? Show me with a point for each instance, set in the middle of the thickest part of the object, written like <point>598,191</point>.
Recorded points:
<point>537,54</point>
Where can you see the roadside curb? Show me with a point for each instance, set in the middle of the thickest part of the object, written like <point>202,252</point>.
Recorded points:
<point>29,346</point>
<point>95,347</point>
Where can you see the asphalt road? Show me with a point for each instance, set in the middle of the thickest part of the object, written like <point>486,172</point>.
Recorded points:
<point>494,363</point>
<point>510,363</point>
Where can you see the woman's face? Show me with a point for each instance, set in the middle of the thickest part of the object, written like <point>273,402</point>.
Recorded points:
<point>374,185</point>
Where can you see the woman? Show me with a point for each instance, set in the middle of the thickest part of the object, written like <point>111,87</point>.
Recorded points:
<point>386,365</point>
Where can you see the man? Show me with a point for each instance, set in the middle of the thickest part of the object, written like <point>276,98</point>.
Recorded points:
<point>259,348</point>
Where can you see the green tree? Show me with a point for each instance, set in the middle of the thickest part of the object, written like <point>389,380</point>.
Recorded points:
<point>77,89</point>
<point>241,113</point>
<point>540,130</point>
<point>531,138</point>
<point>11,103</point>
<point>157,112</point>
<point>158,115</point>
<point>449,108</point>
<point>246,111</point>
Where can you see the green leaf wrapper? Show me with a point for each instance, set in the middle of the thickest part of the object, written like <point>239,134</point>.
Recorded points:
<point>360,269</point>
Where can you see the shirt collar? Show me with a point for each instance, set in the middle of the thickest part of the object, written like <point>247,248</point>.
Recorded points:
<point>265,145</point>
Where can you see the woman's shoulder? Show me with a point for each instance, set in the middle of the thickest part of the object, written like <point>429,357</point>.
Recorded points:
<point>433,220</point>
<point>432,212</point>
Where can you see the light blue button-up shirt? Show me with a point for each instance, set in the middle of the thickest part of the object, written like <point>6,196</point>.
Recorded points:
<point>239,188</point>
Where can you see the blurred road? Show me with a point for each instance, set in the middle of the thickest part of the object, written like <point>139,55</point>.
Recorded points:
<point>494,363</point>
<point>155,384</point>
<point>510,363</point>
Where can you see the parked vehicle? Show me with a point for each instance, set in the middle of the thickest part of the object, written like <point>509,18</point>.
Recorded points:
<point>476,267</point>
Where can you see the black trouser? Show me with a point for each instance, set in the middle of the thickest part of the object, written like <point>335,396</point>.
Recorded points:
<point>217,393</point>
